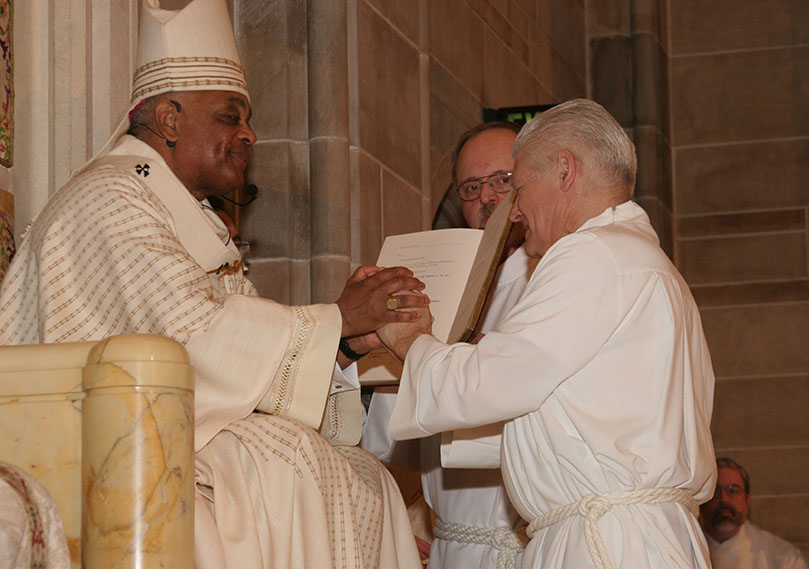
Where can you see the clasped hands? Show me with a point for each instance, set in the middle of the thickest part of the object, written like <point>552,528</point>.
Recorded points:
<point>384,307</point>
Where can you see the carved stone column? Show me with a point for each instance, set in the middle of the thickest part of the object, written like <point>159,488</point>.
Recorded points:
<point>329,171</point>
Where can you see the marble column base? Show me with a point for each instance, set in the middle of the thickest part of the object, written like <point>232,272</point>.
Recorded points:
<point>107,428</point>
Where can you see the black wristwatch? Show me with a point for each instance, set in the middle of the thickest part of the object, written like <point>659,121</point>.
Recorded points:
<point>348,352</point>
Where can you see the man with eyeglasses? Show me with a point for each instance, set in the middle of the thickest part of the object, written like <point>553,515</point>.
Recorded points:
<point>600,371</point>
<point>475,520</point>
<point>481,174</point>
<point>734,541</point>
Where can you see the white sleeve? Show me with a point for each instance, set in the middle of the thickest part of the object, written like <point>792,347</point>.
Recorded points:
<point>344,379</point>
<point>258,354</point>
<point>472,448</point>
<point>376,437</point>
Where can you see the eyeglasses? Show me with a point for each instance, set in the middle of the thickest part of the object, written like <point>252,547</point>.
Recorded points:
<point>499,182</point>
<point>731,490</point>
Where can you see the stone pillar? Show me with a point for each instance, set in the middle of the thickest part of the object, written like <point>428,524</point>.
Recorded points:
<point>629,77</point>
<point>650,110</point>
<point>272,42</point>
<point>329,171</point>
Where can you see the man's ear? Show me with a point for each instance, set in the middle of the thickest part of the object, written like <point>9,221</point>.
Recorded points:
<point>166,119</point>
<point>568,169</point>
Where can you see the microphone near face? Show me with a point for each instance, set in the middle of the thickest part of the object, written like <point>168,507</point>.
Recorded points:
<point>252,193</point>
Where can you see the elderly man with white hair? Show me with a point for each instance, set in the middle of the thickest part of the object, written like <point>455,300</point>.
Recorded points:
<point>601,369</point>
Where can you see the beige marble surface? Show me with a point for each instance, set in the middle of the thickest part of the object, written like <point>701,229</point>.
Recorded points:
<point>107,427</point>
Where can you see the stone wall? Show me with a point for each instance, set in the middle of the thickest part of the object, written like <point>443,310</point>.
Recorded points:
<point>739,77</point>
<point>628,62</point>
<point>357,105</point>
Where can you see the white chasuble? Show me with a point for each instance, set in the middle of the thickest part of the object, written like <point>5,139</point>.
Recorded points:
<point>602,371</point>
<point>123,247</point>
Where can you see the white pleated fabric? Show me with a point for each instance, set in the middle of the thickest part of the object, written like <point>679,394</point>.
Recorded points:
<point>604,376</point>
<point>339,510</point>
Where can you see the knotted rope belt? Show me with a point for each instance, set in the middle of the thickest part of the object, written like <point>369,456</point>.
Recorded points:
<point>593,506</point>
<point>503,539</point>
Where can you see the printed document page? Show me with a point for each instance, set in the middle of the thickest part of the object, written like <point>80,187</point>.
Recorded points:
<point>442,260</point>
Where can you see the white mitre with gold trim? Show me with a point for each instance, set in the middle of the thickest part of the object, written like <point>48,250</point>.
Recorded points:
<point>192,49</point>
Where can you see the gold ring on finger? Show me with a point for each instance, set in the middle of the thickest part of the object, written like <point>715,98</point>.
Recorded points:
<point>392,303</point>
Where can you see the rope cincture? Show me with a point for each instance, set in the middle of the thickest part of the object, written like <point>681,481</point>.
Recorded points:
<point>593,506</point>
<point>504,539</point>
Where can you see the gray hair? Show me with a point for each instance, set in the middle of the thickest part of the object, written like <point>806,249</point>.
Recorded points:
<point>580,125</point>
<point>143,115</point>
<point>732,464</point>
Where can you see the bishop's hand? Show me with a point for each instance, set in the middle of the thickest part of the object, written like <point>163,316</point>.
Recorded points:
<point>374,297</point>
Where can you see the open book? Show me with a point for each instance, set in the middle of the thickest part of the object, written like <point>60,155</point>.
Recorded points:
<point>457,266</point>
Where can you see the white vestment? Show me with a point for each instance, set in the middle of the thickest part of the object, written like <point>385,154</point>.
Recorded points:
<point>603,368</point>
<point>31,532</point>
<point>754,548</point>
<point>472,497</point>
<point>124,248</point>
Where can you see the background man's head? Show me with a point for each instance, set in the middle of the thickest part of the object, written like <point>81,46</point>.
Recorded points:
<point>481,164</point>
<point>571,162</point>
<point>723,515</point>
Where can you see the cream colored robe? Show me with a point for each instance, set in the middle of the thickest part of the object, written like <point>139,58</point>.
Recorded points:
<point>754,548</point>
<point>125,248</point>
<point>604,376</point>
